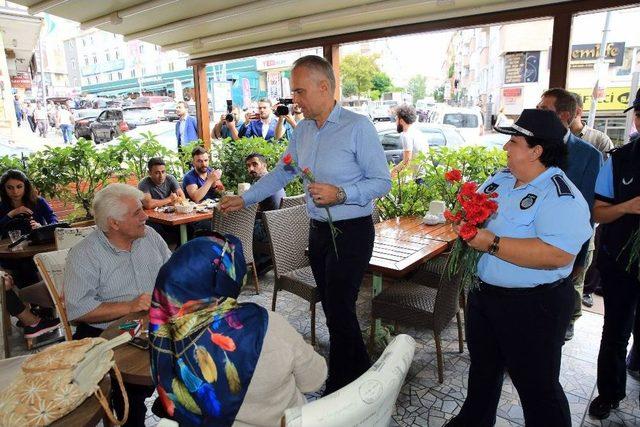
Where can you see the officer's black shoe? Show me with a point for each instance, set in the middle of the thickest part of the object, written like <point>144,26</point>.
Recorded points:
<point>455,422</point>
<point>587,300</point>
<point>569,333</point>
<point>600,408</point>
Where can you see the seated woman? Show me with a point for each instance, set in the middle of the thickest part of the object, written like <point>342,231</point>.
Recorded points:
<point>18,199</point>
<point>216,361</point>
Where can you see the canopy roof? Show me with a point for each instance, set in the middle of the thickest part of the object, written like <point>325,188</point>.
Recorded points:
<point>207,28</point>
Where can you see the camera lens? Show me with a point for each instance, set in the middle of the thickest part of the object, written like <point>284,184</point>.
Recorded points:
<point>282,110</point>
<point>229,117</point>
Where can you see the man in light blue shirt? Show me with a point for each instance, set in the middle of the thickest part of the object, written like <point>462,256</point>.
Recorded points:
<point>342,151</point>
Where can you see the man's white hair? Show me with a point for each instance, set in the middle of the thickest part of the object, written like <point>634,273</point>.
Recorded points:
<point>109,203</point>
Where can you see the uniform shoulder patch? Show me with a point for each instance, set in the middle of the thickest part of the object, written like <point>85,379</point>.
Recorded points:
<point>491,188</point>
<point>562,187</point>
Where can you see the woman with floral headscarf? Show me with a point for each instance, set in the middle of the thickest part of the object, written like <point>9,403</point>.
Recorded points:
<point>215,361</point>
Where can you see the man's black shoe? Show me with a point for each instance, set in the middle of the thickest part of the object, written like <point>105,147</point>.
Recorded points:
<point>587,300</point>
<point>455,422</point>
<point>569,333</point>
<point>600,408</point>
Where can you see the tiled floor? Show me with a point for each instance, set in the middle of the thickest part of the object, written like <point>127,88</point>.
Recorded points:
<point>425,402</point>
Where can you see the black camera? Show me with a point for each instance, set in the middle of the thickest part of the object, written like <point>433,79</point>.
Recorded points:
<point>229,116</point>
<point>283,108</point>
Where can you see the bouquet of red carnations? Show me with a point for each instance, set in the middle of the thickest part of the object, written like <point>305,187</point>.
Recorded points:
<point>470,211</point>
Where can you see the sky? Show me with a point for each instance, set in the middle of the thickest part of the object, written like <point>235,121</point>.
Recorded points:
<point>410,52</point>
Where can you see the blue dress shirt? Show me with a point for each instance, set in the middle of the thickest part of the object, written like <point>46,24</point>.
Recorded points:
<point>544,208</point>
<point>345,152</point>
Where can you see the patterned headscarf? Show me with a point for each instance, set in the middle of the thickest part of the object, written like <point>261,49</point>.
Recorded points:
<point>204,345</point>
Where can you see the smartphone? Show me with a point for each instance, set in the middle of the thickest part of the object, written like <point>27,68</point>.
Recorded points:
<point>140,342</point>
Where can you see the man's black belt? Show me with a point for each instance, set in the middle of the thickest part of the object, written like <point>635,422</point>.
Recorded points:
<point>362,219</point>
<point>500,290</point>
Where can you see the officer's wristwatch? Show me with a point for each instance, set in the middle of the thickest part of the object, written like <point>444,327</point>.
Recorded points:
<point>341,196</point>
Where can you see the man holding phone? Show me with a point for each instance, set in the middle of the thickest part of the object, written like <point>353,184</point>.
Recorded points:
<point>262,124</point>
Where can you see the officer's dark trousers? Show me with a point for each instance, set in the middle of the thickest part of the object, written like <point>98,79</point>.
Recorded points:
<point>522,332</point>
<point>621,294</point>
<point>338,282</point>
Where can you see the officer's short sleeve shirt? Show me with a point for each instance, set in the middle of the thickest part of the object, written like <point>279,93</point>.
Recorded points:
<point>549,208</point>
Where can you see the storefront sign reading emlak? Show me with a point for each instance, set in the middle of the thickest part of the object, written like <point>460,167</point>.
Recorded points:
<point>615,98</point>
<point>585,55</point>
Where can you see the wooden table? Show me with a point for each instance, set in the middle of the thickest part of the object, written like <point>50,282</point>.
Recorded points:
<point>400,246</point>
<point>89,413</point>
<point>23,250</point>
<point>178,219</point>
<point>134,363</point>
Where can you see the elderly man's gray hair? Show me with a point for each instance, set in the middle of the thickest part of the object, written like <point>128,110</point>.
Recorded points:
<point>319,65</point>
<point>110,203</point>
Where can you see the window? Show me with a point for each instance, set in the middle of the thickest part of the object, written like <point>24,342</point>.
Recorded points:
<point>119,76</point>
<point>158,69</point>
<point>117,53</point>
<point>107,56</point>
<point>171,67</point>
<point>84,42</point>
<point>133,73</point>
<point>95,59</point>
<point>460,120</point>
<point>86,60</point>
<point>110,77</point>
<point>141,49</point>
<point>143,71</point>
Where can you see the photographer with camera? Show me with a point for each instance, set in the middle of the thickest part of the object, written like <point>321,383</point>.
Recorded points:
<point>230,124</point>
<point>286,121</point>
<point>262,124</point>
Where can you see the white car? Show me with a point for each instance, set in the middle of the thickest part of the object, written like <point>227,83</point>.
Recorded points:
<point>468,121</point>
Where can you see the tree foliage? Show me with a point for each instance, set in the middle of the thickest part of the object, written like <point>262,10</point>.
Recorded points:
<point>417,87</point>
<point>357,73</point>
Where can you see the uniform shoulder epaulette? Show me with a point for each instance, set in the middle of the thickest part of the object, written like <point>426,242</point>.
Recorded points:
<point>501,170</point>
<point>562,187</point>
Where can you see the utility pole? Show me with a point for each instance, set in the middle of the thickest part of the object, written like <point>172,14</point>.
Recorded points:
<point>599,68</point>
<point>44,94</point>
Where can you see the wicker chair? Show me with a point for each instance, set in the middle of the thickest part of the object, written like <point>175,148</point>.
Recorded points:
<point>51,267</point>
<point>240,224</point>
<point>289,202</point>
<point>288,231</point>
<point>5,328</point>
<point>375,215</point>
<point>67,238</point>
<point>426,300</point>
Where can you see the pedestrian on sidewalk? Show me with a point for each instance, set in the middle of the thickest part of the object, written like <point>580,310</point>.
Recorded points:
<point>29,115</point>
<point>41,119</point>
<point>65,121</point>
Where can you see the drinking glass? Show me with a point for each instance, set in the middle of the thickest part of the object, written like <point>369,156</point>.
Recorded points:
<point>14,235</point>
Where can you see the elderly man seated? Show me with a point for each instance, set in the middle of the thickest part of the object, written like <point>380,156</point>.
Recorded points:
<point>112,272</point>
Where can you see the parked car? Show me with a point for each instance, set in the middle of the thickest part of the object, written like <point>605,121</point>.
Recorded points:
<point>83,119</point>
<point>437,136</point>
<point>468,121</point>
<point>108,125</point>
<point>140,116</point>
<point>493,140</point>
<point>382,111</point>
<point>167,111</point>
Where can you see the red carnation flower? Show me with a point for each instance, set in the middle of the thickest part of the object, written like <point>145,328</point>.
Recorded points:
<point>453,175</point>
<point>287,159</point>
<point>468,231</point>
<point>455,218</point>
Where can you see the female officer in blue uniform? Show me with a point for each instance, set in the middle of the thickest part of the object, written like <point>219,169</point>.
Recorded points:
<point>617,209</point>
<point>518,314</point>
